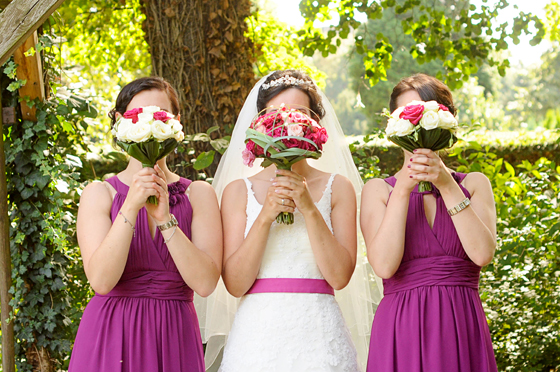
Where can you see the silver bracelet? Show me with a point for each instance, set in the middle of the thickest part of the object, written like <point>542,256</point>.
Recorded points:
<point>130,223</point>
<point>173,233</point>
<point>459,207</point>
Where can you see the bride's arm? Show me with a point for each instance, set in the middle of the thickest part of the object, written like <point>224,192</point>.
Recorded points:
<point>335,253</point>
<point>243,256</point>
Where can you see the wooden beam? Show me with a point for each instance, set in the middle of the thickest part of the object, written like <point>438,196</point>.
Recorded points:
<point>19,20</point>
<point>29,69</point>
<point>4,3</point>
<point>8,350</point>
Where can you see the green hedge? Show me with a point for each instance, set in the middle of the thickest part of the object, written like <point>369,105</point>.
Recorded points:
<point>389,159</point>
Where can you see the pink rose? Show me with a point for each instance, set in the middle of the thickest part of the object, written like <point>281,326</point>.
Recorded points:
<point>133,114</point>
<point>248,158</point>
<point>295,130</point>
<point>442,107</point>
<point>412,113</point>
<point>161,115</point>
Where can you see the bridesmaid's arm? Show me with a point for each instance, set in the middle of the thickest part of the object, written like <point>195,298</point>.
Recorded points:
<point>243,256</point>
<point>479,217</point>
<point>104,246</point>
<point>199,260</point>
<point>383,223</point>
<point>335,252</point>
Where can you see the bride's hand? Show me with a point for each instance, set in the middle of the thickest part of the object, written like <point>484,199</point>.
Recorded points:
<point>159,212</point>
<point>274,204</point>
<point>292,185</point>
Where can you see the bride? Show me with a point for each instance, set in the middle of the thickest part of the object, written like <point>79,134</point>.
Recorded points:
<point>288,318</point>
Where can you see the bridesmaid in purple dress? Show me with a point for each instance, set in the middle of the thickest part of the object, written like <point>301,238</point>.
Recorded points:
<point>429,248</point>
<point>144,261</point>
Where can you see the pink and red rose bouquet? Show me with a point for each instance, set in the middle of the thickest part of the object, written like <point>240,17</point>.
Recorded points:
<point>148,134</point>
<point>283,137</point>
<point>419,124</point>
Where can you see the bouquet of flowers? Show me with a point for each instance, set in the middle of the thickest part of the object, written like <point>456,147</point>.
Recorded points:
<point>283,137</point>
<point>148,134</point>
<point>427,125</point>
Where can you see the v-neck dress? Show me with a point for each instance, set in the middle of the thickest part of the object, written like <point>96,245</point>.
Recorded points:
<point>431,317</point>
<point>148,321</point>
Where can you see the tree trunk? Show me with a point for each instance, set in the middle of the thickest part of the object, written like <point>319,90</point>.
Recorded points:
<point>199,46</point>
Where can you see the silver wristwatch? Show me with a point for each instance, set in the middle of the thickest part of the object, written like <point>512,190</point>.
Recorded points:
<point>170,224</point>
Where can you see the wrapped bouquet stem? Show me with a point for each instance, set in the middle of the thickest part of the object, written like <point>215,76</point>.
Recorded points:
<point>283,136</point>
<point>427,125</point>
<point>148,134</point>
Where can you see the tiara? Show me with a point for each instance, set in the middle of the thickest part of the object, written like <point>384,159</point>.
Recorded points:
<point>284,80</point>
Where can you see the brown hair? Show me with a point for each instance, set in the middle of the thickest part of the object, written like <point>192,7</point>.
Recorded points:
<point>139,85</point>
<point>428,88</point>
<point>308,87</point>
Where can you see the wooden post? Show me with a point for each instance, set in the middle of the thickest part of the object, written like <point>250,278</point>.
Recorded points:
<point>19,20</point>
<point>8,351</point>
<point>29,69</point>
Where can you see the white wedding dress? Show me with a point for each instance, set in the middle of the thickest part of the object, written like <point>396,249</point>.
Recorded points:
<point>289,332</point>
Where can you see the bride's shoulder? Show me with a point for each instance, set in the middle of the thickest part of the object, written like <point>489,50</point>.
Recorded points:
<point>341,183</point>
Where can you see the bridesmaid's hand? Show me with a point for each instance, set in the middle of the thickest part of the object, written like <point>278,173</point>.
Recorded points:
<point>426,165</point>
<point>141,187</point>
<point>292,185</point>
<point>274,204</point>
<point>159,212</point>
<point>405,180</point>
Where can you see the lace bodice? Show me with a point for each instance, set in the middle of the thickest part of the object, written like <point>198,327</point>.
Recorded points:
<point>288,252</point>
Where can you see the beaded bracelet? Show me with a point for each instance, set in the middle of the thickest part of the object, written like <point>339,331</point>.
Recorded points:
<point>130,223</point>
<point>173,233</point>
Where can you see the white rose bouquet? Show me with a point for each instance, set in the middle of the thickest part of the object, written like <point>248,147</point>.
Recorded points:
<point>148,134</point>
<point>427,125</point>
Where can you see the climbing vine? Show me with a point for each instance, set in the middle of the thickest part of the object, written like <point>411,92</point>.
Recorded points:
<point>42,174</point>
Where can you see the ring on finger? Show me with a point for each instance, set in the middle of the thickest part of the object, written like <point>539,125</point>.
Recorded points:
<point>282,201</point>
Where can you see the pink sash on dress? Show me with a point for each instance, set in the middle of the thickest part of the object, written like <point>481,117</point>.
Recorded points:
<point>291,285</point>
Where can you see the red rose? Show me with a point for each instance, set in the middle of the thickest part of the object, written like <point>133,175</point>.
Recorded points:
<point>412,113</point>
<point>133,114</point>
<point>161,115</point>
<point>442,107</point>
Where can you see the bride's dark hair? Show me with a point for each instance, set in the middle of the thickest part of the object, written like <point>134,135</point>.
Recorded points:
<point>266,92</point>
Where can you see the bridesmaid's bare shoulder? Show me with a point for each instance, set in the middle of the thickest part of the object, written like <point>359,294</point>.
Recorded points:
<point>377,188</point>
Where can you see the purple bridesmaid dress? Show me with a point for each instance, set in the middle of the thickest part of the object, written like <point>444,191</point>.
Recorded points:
<point>148,321</point>
<point>431,318</point>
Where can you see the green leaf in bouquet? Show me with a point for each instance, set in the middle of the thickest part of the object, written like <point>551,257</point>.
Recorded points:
<point>149,152</point>
<point>277,139</point>
<point>204,160</point>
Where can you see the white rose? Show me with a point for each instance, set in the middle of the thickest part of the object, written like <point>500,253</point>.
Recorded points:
<point>121,129</point>
<point>430,120</point>
<point>150,110</point>
<point>390,131</point>
<point>161,130</point>
<point>145,117</point>
<point>447,120</point>
<point>403,127</point>
<point>139,132</point>
<point>295,130</point>
<point>175,124</point>
<point>397,113</point>
<point>179,136</point>
<point>431,106</point>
